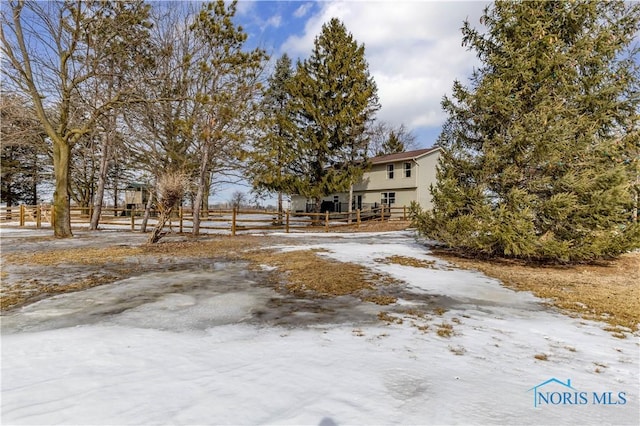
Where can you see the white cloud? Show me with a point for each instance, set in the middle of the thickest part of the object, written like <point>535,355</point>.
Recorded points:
<point>244,7</point>
<point>274,21</point>
<point>413,49</point>
<point>302,10</point>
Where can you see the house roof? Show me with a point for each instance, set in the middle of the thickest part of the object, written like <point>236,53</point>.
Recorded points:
<point>400,156</point>
<point>136,185</point>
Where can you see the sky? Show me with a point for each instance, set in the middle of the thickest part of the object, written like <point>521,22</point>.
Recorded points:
<point>413,48</point>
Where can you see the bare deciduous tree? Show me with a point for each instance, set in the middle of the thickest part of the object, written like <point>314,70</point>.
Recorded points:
<point>170,190</point>
<point>52,51</point>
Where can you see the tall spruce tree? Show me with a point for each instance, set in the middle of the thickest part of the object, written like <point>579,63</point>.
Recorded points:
<point>274,148</point>
<point>333,99</point>
<point>537,160</point>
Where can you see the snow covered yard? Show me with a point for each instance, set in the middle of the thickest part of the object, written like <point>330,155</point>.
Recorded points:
<point>205,343</point>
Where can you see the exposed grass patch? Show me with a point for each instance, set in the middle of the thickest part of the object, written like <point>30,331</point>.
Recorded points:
<point>374,226</point>
<point>412,312</point>
<point>80,256</point>
<point>122,261</point>
<point>617,331</point>
<point>424,328</point>
<point>379,299</point>
<point>304,272</point>
<point>25,291</point>
<point>445,330</point>
<point>541,357</point>
<point>438,310</point>
<point>388,318</point>
<point>307,273</point>
<point>232,248</point>
<point>607,291</point>
<point>407,261</point>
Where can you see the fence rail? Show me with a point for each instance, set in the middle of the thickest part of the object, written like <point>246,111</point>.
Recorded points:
<point>229,221</point>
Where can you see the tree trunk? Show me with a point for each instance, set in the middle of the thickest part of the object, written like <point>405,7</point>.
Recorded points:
<point>202,183</point>
<point>280,212</point>
<point>157,232</point>
<point>102,180</point>
<point>115,197</point>
<point>205,197</point>
<point>36,178</point>
<point>350,207</point>
<point>316,209</point>
<point>147,213</point>
<point>61,201</point>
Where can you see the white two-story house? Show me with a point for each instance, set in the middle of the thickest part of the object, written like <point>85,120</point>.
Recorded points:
<point>394,180</point>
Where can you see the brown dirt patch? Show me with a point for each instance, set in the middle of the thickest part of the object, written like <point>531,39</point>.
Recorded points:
<point>608,291</point>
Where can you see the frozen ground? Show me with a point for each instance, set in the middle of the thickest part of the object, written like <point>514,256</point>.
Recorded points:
<point>208,344</point>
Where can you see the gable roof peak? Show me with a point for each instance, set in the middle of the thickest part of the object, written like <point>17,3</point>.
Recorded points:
<point>407,155</point>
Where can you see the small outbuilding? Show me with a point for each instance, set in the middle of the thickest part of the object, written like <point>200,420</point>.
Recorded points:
<point>136,196</point>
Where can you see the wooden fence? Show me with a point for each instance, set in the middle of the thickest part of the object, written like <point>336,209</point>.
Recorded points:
<point>216,221</point>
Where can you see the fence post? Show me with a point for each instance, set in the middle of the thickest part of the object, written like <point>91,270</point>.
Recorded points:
<point>233,223</point>
<point>358,218</point>
<point>180,212</point>
<point>326,221</point>
<point>21,214</point>
<point>133,219</point>
<point>404,212</point>
<point>287,222</point>
<point>382,213</point>
<point>52,208</point>
<point>38,216</point>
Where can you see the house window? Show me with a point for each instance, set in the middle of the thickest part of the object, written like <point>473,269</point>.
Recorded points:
<point>407,170</point>
<point>389,171</point>
<point>388,198</point>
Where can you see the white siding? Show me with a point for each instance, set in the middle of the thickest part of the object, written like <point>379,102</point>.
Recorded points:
<point>427,176</point>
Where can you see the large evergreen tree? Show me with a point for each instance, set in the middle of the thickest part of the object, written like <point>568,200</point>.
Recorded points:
<point>536,161</point>
<point>333,99</point>
<point>274,148</point>
<point>23,151</point>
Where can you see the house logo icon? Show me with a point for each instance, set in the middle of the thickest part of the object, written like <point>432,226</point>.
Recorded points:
<point>539,396</point>
<point>554,392</point>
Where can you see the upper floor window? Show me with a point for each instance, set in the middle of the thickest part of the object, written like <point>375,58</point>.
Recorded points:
<point>389,171</point>
<point>407,169</point>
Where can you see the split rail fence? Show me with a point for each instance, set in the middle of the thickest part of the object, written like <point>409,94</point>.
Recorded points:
<point>211,221</point>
